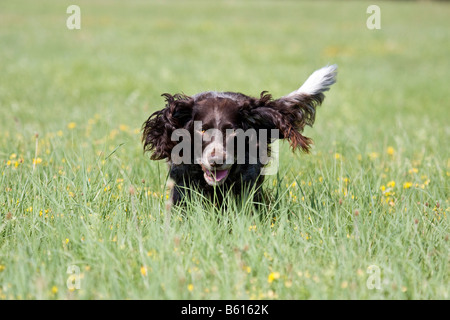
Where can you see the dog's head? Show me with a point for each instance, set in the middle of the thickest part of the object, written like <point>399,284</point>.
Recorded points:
<point>210,124</point>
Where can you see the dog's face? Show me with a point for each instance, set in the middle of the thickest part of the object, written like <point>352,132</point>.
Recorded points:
<point>213,118</point>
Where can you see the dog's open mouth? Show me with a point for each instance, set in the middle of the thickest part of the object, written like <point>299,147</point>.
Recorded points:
<point>215,177</point>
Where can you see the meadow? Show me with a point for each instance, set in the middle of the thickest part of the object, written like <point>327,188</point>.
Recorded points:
<point>82,209</point>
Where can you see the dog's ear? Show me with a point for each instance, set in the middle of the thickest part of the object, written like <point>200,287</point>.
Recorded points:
<point>158,128</point>
<point>291,113</point>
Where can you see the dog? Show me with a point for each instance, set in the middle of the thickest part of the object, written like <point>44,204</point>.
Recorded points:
<point>206,141</point>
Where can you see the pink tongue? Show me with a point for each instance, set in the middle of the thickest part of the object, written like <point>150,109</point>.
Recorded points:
<point>220,174</point>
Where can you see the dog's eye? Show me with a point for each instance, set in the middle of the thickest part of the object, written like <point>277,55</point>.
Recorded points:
<point>201,132</point>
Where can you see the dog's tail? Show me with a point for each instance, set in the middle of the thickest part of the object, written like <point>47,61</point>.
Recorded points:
<point>318,82</point>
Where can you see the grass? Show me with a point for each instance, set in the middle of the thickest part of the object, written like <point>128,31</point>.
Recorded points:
<point>77,192</point>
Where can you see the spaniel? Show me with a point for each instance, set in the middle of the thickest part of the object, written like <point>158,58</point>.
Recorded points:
<point>219,143</point>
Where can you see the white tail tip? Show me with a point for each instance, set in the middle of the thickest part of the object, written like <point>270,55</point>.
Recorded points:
<point>318,82</point>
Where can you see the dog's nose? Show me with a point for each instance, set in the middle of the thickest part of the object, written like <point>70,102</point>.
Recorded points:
<point>213,164</point>
<point>214,155</point>
<point>216,161</point>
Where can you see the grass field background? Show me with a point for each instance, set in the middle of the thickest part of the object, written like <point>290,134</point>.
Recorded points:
<point>77,193</point>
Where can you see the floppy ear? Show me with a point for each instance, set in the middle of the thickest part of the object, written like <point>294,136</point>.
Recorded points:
<point>291,113</point>
<point>158,128</point>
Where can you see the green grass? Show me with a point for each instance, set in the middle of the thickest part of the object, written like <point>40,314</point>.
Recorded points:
<point>373,192</point>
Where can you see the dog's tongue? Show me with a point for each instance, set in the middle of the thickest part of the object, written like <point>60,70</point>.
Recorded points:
<point>220,174</point>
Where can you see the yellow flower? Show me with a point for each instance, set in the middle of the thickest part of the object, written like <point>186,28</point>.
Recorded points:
<point>267,256</point>
<point>373,155</point>
<point>71,125</point>
<point>113,133</point>
<point>67,240</point>
<point>54,290</point>
<point>337,156</point>
<point>13,156</point>
<point>390,151</point>
<point>2,267</point>
<point>144,270</point>
<point>407,185</point>
<point>413,170</point>
<point>123,127</point>
<point>37,161</point>
<point>273,276</point>
<point>391,184</point>
<point>190,287</point>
